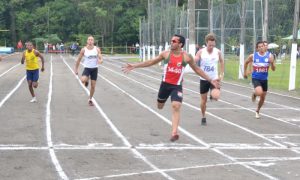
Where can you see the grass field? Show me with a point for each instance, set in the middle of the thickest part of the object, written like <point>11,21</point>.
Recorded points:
<point>278,79</point>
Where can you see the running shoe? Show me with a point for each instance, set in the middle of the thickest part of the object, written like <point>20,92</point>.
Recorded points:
<point>203,121</point>
<point>91,102</point>
<point>257,116</point>
<point>253,97</point>
<point>174,138</point>
<point>33,100</point>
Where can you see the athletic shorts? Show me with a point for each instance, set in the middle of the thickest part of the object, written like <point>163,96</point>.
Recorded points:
<point>90,72</point>
<point>32,75</point>
<point>205,86</point>
<point>166,90</point>
<point>262,83</point>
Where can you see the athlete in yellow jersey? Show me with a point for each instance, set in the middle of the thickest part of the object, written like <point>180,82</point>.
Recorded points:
<point>30,56</point>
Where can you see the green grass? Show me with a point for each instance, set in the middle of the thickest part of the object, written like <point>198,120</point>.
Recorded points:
<point>278,79</point>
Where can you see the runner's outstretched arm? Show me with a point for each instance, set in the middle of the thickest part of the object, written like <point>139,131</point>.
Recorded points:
<point>128,67</point>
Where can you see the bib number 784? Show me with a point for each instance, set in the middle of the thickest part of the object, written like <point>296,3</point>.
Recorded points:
<point>209,68</point>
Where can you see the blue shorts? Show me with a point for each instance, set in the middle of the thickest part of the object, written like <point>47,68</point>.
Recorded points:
<point>32,75</point>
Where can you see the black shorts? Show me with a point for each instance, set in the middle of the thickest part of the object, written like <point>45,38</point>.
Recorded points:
<point>166,90</point>
<point>90,72</point>
<point>205,86</point>
<point>262,83</point>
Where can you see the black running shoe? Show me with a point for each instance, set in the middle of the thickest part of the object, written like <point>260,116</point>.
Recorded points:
<point>174,138</point>
<point>203,121</point>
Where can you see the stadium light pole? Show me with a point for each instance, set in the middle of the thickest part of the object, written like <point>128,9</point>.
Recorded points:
<point>293,63</point>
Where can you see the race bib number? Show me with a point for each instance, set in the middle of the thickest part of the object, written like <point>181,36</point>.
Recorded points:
<point>174,70</point>
<point>209,68</point>
<point>261,69</point>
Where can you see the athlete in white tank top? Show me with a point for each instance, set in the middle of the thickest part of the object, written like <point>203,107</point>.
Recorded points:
<point>90,57</point>
<point>209,62</point>
<point>209,58</point>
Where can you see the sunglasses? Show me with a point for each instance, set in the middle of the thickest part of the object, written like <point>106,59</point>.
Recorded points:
<point>174,41</point>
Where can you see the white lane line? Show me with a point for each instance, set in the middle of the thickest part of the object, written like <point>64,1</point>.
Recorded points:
<point>278,119</point>
<point>9,69</point>
<point>281,135</point>
<point>227,108</point>
<point>271,158</point>
<point>117,132</point>
<point>253,163</point>
<point>248,97</point>
<point>279,94</point>
<point>163,118</point>
<point>190,135</point>
<point>12,92</point>
<point>54,159</point>
<point>173,146</point>
<point>198,109</point>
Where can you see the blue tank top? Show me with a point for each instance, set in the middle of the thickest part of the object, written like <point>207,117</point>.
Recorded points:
<point>260,66</point>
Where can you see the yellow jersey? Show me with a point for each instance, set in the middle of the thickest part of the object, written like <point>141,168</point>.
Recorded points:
<point>31,60</point>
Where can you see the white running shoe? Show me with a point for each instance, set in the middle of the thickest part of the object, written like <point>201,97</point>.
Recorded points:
<point>257,116</point>
<point>33,100</point>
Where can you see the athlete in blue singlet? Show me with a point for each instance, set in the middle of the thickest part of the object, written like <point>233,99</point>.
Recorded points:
<point>261,60</point>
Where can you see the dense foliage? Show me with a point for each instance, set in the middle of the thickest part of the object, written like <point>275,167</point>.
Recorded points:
<point>109,20</point>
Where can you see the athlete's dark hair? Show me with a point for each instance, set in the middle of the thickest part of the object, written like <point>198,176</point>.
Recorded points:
<point>259,42</point>
<point>181,39</point>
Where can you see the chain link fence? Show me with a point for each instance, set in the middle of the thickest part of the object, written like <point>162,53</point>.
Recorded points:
<point>166,18</point>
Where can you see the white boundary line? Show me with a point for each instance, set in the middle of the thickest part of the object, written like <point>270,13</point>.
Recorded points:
<point>248,109</point>
<point>117,132</point>
<point>198,109</point>
<point>12,92</point>
<point>223,88</point>
<point>256,162</point>
<point>54,159</point>
<point>198,140</point>
<point>9,69</point>
<point>239,85</point>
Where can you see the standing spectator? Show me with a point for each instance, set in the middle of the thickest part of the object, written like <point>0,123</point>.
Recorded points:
<point>62,47</point>
<point>20,45</point>
<point>45,47</point>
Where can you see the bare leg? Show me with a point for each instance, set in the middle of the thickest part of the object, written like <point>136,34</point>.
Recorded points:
<point>92,90</point>
<point>203,104</point>
<point>261,101</point>
<point>175,116</point>
<point>258,91</point>
<point>31,88</point>
<point>160,105</point>
<point>84,79</point>
<point>35,84</point>
<point>215,93</point>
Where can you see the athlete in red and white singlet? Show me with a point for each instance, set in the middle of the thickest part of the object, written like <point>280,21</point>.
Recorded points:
<point>171,85</point>
<point>174,69</point>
